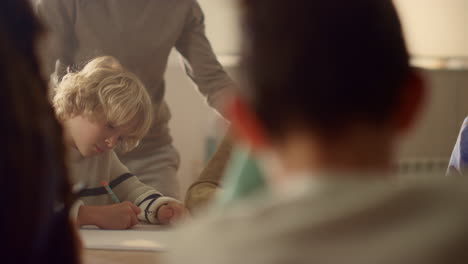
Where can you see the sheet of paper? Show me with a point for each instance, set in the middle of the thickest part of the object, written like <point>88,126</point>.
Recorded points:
<point>141,237</point>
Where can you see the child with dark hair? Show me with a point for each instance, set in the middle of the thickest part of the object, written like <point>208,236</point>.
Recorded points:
<point>328,93</point>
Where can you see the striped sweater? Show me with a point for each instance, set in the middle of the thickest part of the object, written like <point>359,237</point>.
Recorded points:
<point>91,171</point>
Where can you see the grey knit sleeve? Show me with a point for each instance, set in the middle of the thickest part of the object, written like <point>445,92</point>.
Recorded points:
<point>200,62</point>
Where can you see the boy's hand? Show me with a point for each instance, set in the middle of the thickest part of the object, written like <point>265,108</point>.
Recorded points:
<point>171,212</point>
<point>116,216</point>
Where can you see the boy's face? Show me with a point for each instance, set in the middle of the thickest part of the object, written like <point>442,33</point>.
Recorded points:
<point>92,137</point>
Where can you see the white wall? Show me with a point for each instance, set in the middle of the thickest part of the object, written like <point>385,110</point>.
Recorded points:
<point>435,28</point>
<point>192,119</point>
<point>221,17</point>
<point>432,27</point>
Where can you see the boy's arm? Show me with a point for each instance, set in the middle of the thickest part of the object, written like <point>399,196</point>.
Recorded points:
<point>128,187</point>
<point>114,216</point>
<point>146,198</point>
<point>200,62</point>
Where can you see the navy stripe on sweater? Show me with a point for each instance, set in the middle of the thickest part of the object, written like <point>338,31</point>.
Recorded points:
<point>151,196</point>
<point>147,210</point>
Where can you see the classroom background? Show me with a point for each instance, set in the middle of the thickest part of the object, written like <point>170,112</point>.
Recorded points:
<point>435,30</point>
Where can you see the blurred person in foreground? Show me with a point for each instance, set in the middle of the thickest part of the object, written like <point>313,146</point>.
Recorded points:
<point>35,197</point>
<point>329,94</point>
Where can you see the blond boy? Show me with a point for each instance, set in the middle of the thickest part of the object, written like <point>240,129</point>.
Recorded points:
<point>103,106</point>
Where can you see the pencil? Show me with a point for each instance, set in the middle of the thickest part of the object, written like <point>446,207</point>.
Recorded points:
<point>110,192</point>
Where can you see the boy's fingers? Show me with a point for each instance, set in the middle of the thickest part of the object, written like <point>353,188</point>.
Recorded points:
<point>134,219</point>
<point>135,208</point>
<point>179,213</point>
<point>165,214</point>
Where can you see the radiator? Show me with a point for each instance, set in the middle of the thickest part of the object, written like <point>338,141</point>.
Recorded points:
<point>421,166</point>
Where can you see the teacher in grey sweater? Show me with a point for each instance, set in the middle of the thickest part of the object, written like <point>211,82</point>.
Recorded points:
<point>140,34</point>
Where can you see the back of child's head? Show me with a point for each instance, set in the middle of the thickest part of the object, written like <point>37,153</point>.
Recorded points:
<point>323,64</point>
<point>104,91</point>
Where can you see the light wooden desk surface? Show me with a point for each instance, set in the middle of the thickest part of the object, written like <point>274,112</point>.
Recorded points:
<point>105,256</point>
<point>93,256</point>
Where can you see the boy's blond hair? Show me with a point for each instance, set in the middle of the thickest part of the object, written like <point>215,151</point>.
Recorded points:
<point>103,90</point>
